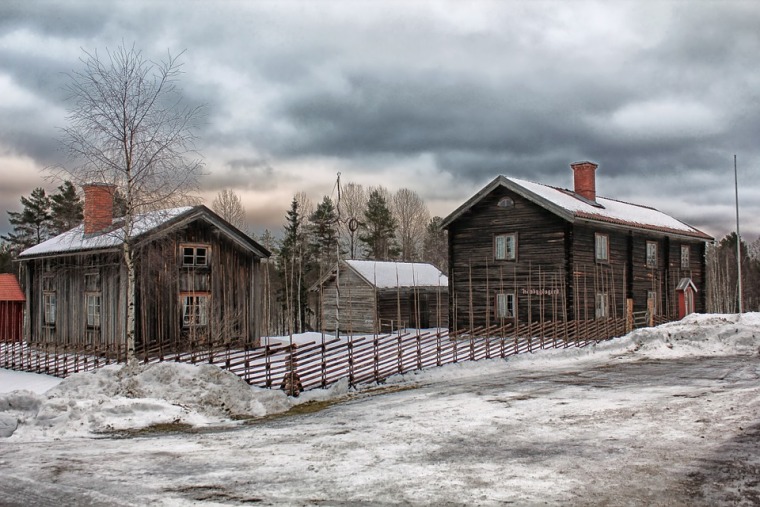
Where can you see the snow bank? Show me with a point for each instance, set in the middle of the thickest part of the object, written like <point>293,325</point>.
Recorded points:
<point>15,380</point>
<point>119,398</point>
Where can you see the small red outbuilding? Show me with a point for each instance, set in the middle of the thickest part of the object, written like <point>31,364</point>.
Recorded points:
<point>11,309</point>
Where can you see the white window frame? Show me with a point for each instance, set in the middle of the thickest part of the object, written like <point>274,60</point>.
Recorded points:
<point>93,309</point>
<point>501,247</point>
<point>50,307</point>
<point>601,247</point>
<point>504,302</point>
<point>602,306</point>
<point>195,309</point>
<point>685,256</point>
<point>651,252</point>
<point>195,255</point>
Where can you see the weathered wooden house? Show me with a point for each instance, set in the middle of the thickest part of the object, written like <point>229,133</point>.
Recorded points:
<point>374,296</point>
<point>197,280</point>
<point>11,309</point>
<point>526,252</point>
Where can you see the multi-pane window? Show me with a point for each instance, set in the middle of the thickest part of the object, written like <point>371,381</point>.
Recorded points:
<point>602,309</point>
<point>651,254</point>
<point>685,251</point>
<point>93,309</point>
<point>602,247</point>
<point>194,255</point>
<point>505,305</point>
<point>194,310</point>
<point>506,203</point>
<point>49,304</point>
<point>505,247</point>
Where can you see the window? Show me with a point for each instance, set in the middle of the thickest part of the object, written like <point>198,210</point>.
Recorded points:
<point>49,304</point>
<point>506,203</point>
<point>602,247</point>
<point>505,305</point>
<point>651,254</point>
<point>505,247</point>
<point>602,305</point>
<point>93,309</point>
<point>194,255</point>
<point>194,310</point>
<point>685,250</point>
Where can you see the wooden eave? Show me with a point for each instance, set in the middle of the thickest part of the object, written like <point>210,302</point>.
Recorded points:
<point>578,217</point>
<point>333,273</point>
<point>203,213</point>
<point>196,213</point>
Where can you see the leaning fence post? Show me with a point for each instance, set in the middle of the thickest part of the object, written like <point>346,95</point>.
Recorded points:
<point>291,382</point>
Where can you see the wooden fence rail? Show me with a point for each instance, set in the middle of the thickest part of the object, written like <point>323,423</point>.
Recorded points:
<point>297,367</point>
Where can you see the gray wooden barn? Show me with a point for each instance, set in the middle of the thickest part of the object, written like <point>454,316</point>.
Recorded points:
<point>377,296</point>
<point>197,280</point>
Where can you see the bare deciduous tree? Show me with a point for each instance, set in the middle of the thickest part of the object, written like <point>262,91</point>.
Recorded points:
<point>228,205</point>
<point>412,216</point>
<point>353,202</point>
<point>130,127</point>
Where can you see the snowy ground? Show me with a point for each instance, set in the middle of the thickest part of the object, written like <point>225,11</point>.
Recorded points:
<point>665,416</point>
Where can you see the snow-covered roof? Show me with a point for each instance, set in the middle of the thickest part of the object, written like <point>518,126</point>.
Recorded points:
<point>386,275</point>
<point>570,206</point>
<point>76,240</point>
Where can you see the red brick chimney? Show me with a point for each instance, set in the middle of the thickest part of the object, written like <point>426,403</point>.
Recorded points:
<point>98,207</point>
<point>584,179</point>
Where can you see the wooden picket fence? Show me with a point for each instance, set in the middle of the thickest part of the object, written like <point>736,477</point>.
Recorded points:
<point>296,367</point>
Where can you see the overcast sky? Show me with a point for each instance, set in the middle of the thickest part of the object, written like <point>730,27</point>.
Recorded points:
<point>439,97</point>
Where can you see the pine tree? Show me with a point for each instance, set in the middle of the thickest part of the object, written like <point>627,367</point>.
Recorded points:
<point>66,208</point>
<point>379,229</point>
<point>324,234</point>
<point>293,264</point>
<point>6,258</point>
<point>32,225</point>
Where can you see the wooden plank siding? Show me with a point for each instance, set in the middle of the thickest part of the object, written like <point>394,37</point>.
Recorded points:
<point>367,309</point>
<point>556,276</point>
<point>64,276</point>
<point>475,276</point>
<point>592,277</point>
<point>228,280</point>
<point>357,306</point>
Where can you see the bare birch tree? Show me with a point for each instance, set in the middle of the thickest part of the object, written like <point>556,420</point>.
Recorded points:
<point>130,127</point>
<point>412,216</point>
<point>228,205</point>
<point>353,202</point>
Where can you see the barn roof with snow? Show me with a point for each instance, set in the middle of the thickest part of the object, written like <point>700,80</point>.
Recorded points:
<point>573,207</point>
<point>386,275</point>
<point>75,240</point>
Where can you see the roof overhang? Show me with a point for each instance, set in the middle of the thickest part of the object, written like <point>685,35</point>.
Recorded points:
<point>502,181</point>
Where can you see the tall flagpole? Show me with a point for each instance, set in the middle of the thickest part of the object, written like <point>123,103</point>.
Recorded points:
<point>738,240</point>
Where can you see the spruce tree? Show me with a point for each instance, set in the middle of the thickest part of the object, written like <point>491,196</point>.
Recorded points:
<point>32,225</point>
<point>6,259</point>
<point>66,208</point>
<point>293,264</point>
<point>379,229</point>
<point>324,234</point>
